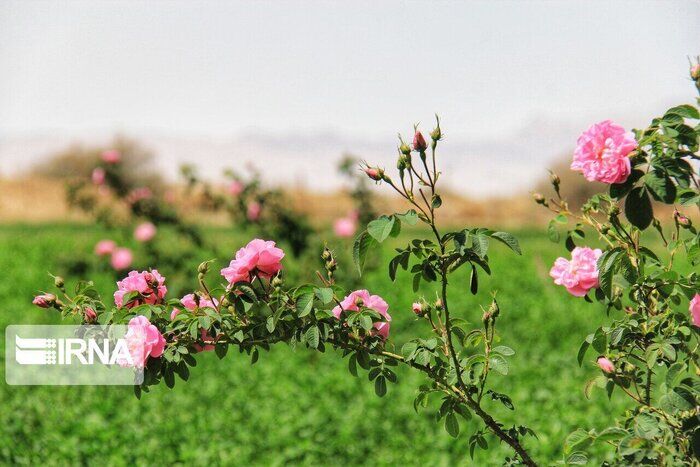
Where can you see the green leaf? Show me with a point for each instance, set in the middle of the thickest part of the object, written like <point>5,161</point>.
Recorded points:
<point>452,425</point>
<point>661,187</point>
<point>638,208</point>
<point>499,364</point>
<point>577,458</point>
<point>410,217</point>
<point>509,240</point>
<point>646,426</point>
<point>270,324</point>
<point>380,228</point>
<point>582,352</point>
<point>503,350</point>
<point>380,386</point>
<point>304,304</point>
<point>480,245</point>
<point>437,201</point>
<point>685,111</point>
<point>362,245</point>
<point>600,341</point>
<point>576,438</point>
<point>312,336</point>
<point>552,232</point>
<point>474,281</point>
<point>325,294</point>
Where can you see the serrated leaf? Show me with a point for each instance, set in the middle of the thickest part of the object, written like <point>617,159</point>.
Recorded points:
<point>362,245</point>
<point>380,228</point>
<point>312,337</point>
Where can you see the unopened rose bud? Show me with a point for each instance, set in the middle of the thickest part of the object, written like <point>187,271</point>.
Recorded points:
<point>402,163</point>
<point>695,71</point>
<point>436,134</point>
<point>46,300</point>
<point>419,143</point>
<point>418,309</point>
<point>375,173</point>
<point>225,302</point>
<point>277,282</point>
<point>681,219</point>
<point>331,265</point>
<point>606,365</point>
<point>59,282</point>
<point>404,149</point>
<point>90,315</point>
<point>486,317</point>
<point>539,199</point>
<point>203,268</point>
<point>605,229</point>
<point>555,180</point>
<point>326,255</point>
<point>438,304</point>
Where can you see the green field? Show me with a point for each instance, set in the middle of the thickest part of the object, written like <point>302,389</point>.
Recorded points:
<point>301,407</point>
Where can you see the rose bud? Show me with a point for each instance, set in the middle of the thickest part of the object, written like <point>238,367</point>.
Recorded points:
<point>539,199</point>
<point>606,365</point>
<point>404,149</point>
<point>438,304</point>
<point>203,267</point>
<point>695,71</point>
<point>419,143</point>
<point>46,300</point>
<point>681,219</point>
<point>59,282</point>
<point>90,315</point>
<point>375,173</point>
<point>418,309</point>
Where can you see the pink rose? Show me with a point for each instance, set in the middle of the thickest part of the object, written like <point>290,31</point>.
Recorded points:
<point>98,176</point>
<point>362,298</point>
<point>143,340</point>
<point>105,247</point>
<point>580,274</point>
<point>374,173</point>
<point>602,153</point>
<point>259,257</point>
<point>111,156</point>
<point>121,258</point>
<point>44,300</point>
<point>145,232</point>
<point>419,143</point>
<point>253,212</point>
<point>345,227</point>
<point>606,365</point>
<point>695,310</point>
<point>235,188</point>
<point>150,286</point>
<point>192,303</point>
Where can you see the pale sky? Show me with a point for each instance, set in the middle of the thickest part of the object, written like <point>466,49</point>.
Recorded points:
<point>337,76</point>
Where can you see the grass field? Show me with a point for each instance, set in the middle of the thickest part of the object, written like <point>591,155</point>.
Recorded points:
<point>300,407</point>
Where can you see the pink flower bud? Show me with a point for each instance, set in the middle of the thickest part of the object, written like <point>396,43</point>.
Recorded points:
<point>90,315</point>
<point>111,156</point>
<point>105,247</point>
<point>98,176</point>
<point>374,173</point>
<point>44,300</point>
<point>253,212</point>
<point>418,309</point>
<point>681,219</point>
<point>145,232</point>
<point>695,71</point>
<point>606,365</point>
<point>419,143</point>
<point>121,258</point>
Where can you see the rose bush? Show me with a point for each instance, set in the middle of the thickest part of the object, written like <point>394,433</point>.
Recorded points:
<point>254,308</point>
<point>648,351</point>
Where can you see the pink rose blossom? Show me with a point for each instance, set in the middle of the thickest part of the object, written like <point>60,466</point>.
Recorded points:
<point>105,247</point>
<point>98,176</point>
<point>362,298</point>
<point>235,188</point>
<point>602,153</point>
<point>374,173</point>
<point>253,212</point>
<point>121,258</point>
<point>345,227</point>
<point>606,365</point>
<point>44,300</point>
<point>695,310</point>
<point>580,274</point>
<point>145,232</point>
<point>111,156</point>
<point>150,286</point>
<point>143,340</point>
<point>259,257</point>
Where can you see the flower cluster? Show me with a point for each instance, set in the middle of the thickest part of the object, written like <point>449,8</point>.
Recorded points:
<point>360,299</point>
<point>146,286</point>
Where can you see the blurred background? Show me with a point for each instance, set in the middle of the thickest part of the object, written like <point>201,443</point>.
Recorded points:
<point>240,119</point>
